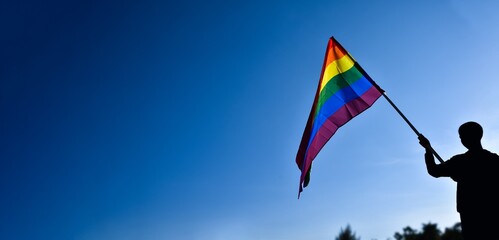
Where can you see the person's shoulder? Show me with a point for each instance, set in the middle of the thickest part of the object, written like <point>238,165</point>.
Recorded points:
<point>458,156</point>
<point>456,160</point>
<point>491,154</point>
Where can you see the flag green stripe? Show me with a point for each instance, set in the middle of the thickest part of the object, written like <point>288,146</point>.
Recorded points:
<point>338,82</point>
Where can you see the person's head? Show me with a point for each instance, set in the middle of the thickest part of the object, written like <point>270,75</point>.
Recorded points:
<point>471,134</point>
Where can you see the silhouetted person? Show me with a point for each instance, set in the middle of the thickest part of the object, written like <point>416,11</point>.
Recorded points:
<point>477,175</point>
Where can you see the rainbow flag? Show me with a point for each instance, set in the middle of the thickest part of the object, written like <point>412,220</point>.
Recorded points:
<point>345,90</point>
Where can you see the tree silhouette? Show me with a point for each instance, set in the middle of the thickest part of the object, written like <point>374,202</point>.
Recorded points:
<point>346,234</point>
<point>407,234</point>
<point>453,233</point>
<point>429,231</point>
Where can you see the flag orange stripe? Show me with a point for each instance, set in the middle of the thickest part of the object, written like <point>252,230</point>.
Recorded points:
<point>334,52</point>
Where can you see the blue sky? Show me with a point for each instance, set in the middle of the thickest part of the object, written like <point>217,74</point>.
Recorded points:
<point>157,120</point>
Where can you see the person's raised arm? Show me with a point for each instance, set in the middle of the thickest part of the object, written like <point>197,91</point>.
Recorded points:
<point>431,166</point>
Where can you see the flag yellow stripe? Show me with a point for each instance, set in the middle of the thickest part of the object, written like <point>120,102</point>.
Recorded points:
<point>336,67</point>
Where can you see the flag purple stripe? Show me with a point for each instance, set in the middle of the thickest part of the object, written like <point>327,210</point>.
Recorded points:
<point>335,121</point>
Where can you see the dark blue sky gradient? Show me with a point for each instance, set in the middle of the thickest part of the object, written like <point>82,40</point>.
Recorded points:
<point>105,102</point>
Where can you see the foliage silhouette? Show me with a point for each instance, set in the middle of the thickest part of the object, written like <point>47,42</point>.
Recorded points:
<point>429,231</point>
<point>346,234</point>
<point>453,233</point>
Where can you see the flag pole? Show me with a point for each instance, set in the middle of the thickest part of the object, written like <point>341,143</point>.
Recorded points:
<point>408,122</point>
<point>392,104</point>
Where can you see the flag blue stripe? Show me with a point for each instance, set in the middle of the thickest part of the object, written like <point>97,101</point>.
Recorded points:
<point>338,100</point>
